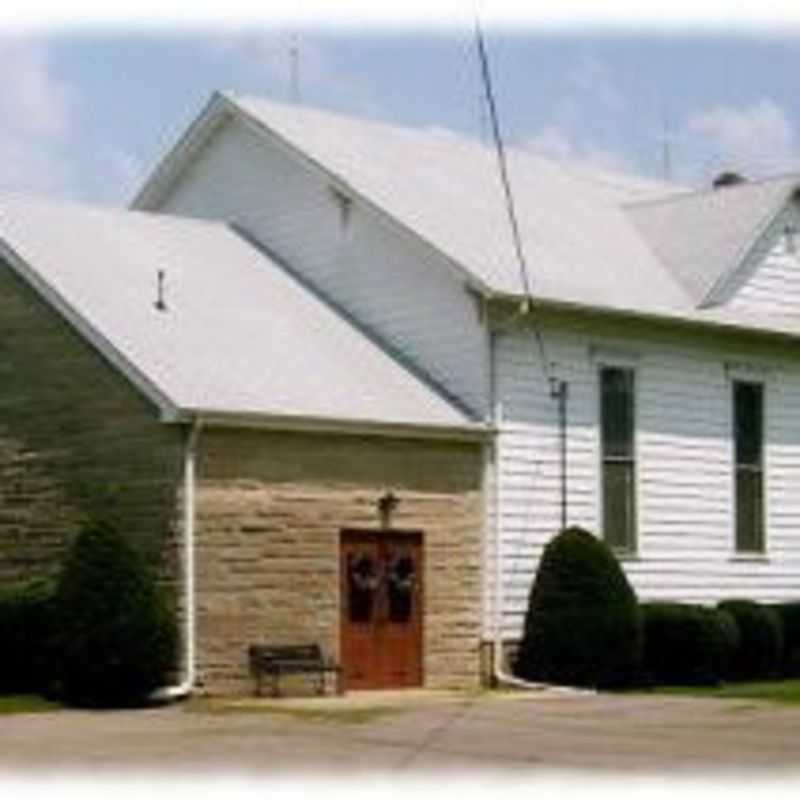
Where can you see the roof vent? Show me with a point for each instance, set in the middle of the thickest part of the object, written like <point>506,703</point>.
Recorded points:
<point>728,179</point>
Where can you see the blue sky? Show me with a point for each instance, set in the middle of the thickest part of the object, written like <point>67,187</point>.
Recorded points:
<point>85,115</point>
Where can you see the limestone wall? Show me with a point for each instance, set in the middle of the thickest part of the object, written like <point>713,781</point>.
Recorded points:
<point>271,507</point>
<point>76,439</point>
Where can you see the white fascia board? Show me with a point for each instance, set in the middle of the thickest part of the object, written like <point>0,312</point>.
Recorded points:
<point>298,424</point>
<point>168,411</point>
<point>742,257</point>
<point>677,319</point>
<point>160,180</point>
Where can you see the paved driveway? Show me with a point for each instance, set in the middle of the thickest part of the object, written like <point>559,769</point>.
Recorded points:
<point>521,733</point>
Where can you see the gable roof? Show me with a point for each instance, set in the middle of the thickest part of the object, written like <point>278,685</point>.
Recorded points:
<point>592,239</point>
<point>445,189</point>
<point>240,336</point>
<point>703,237</point>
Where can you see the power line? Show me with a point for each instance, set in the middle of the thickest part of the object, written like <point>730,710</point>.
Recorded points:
<point>558,387</point>
<point>508,194</point>
<point>501,159</point>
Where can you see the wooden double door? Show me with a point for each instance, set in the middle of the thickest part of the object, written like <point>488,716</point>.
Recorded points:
<point>381,609</point>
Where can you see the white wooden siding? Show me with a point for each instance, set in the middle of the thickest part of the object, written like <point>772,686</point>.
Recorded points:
<point>769,281</point>
<point>684,467</point>
<point>395,287</point>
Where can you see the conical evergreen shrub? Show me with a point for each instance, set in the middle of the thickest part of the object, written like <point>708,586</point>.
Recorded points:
<point>583,626</point>
<point>117,636</point>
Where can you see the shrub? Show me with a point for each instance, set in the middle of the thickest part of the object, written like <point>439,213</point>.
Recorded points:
<point>726,641</point>
<point>117,637</point>
<point>583,626</point>
<point>789,614</point>
<point>26,628</point>
<point>761,640</point>
<point>686,644</point>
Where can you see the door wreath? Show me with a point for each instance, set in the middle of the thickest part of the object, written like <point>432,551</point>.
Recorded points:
<point>364,574</point>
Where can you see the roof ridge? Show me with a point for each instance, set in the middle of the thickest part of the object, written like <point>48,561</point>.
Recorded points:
<point>749,183</point>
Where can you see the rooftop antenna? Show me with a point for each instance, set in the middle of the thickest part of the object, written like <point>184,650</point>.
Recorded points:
<point>294,70</point>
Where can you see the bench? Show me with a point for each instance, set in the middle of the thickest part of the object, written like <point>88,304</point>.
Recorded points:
<point>287,659</point>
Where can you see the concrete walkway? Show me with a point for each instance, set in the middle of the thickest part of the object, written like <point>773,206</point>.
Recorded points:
<point>417,731</point>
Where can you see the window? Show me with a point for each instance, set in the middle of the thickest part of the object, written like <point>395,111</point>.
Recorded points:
<point>618,466</point>
<point>748,430</point>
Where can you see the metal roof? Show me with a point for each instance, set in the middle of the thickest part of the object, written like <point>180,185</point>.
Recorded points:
<point>579,241</point>
<point>702,237</point>
<point>592,239</point>
<point>239,334</point>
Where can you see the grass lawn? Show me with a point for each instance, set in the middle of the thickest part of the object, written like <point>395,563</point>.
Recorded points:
<point>25,704</point>
<point>787,691</point>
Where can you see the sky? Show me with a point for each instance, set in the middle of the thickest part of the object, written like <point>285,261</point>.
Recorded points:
<point>86,113</point>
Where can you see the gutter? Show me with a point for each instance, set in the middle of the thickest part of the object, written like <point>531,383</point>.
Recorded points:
<point>185,687</point>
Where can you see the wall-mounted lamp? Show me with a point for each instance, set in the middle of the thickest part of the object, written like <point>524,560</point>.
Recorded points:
<point>387,503</point>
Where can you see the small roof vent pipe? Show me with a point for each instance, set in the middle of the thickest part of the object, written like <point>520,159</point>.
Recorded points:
<point>728,179</point>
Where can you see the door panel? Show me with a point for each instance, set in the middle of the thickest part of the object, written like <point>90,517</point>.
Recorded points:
<point>381,609</point>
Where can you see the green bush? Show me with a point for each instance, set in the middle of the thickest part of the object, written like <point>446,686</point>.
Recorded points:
<point>26,629</point>
<point>686,645</point>
<point>727,640</point>
<point>117,637</point>
<point>789,614</point>
<point>583,626</point>
<point>758,655</point>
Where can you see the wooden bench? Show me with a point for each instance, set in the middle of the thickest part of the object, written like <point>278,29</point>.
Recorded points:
<point>277,660</point>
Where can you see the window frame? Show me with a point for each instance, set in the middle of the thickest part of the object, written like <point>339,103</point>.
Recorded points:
<point>737,551</point>
<point>631,548</point>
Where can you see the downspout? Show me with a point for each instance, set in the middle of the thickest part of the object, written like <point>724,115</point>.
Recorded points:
<point>492,465</point>
<point>184,688</point>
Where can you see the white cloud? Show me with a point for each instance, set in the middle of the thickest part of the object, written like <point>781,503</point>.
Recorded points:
<point>557,143</point>
<point>757,139</point>
<point>37,112</point>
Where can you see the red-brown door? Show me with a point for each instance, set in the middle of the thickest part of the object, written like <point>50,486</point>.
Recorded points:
<point>381,641</point>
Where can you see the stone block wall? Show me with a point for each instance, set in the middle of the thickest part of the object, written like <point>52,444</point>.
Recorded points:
<point>271,507</point>
<point>76,440</point>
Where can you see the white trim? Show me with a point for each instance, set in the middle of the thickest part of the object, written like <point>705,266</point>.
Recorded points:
<point>759,380</point>
<point>157,186</point>
<point>635,552</point>
<point>290,423</point>
<point>602,355</point>
<point>717,291</point>
<point>749,371</point>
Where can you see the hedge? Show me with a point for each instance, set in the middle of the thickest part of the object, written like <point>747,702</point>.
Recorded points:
<point>758,655</point>
<point>789,614</point>
<point>686,644</point>
<point>26,628</point>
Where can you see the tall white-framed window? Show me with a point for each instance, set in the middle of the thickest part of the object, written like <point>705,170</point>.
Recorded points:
<point>618,457</point>
<point>748,457</point>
